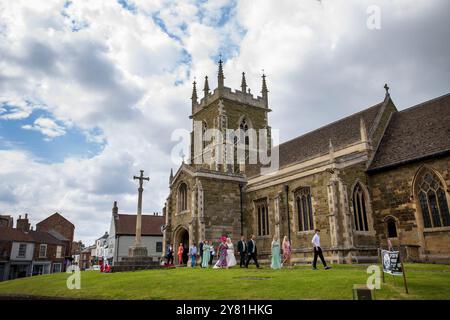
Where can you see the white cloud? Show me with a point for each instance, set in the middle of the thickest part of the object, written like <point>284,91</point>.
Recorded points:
<point>47,127</point>
<point>126,82</point>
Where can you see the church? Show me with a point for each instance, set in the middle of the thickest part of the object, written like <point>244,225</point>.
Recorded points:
<point>375,175</point>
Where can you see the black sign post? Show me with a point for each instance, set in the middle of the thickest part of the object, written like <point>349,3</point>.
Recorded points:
<point>392,264</point>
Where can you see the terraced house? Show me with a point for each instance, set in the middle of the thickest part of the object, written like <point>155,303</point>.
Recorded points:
<point>27,252</point>
<point>377,174</point>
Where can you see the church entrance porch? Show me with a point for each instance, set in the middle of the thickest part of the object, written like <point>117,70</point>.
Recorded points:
<point>181,236</point>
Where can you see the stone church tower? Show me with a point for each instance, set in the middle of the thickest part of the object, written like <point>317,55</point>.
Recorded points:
<point>206,194</point>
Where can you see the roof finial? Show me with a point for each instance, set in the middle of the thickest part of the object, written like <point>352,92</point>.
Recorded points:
<point>220,76</point>
<point>243,83</point>
<point>264,90</point>
<point>386,87</point>
<point>206,87</point>
<point>194,93</point>
<point>171,175</point>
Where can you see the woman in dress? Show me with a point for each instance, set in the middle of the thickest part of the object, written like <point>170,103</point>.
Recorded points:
<point>231,259</point>
<point>222,253</point>
<point>276,259</point>
<point>206,254</point>
<point>286,251</point>
<point>180,253</point>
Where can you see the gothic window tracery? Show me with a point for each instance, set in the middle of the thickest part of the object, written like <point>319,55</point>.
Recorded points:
<point>304,210</point>
<point>360,208</point>
<point>432,200</point>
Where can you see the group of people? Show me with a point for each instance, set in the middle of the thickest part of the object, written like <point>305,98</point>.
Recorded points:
<point>248,251</point>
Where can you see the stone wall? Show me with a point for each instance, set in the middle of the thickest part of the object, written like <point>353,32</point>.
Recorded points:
<point>392,195</point>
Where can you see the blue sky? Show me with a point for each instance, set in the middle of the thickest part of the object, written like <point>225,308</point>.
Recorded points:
<point>90,92</point>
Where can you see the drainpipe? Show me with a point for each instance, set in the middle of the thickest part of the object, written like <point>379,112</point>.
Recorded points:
<point>241,186</point>
<point>286,188</point>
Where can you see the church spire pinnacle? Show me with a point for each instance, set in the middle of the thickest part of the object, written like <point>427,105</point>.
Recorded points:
<point>220,76</point>
<point>206,87</point>
<point>243,83</point>
<point>171,175</point>
<point>264,90</point>
<point>194,93</point>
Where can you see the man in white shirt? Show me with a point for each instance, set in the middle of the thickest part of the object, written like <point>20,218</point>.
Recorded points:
<point>318,251</point>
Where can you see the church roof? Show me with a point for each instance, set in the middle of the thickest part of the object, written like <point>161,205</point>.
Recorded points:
<point>151,225</point>
<point>342,133</point>
<point>415,133</point>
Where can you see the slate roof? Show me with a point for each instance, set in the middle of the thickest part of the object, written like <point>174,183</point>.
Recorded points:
<point>151,225</point>
<point>13,234</point>
<point>342,133</point>
<point>415,133</point>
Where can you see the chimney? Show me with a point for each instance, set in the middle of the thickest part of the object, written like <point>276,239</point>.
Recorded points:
<point>23,224</point>
<point>115,210</point>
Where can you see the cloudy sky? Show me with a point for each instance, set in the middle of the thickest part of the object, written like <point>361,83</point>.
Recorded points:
<point>91,91</point>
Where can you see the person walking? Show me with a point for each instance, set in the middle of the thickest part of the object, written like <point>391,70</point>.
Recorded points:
<point>286,246</point>
<point>200,249</point>
<point>170,255</point>
<point>222,252</point>
<point>193,254</point>
<point>252,252</point>
<point>242,248</point>
<point>276,259</point>
<point>318,251</point>
<point>180,253</point>
<point>206,254</point>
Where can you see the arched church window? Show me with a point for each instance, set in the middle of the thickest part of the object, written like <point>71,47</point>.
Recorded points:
<point>262,213</point>
<point>304,210</point>
<point>391,227</point>
<point>432,200</point>
<point>360,208</point>
<point>182,197</point>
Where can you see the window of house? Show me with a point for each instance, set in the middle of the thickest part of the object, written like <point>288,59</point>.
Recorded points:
<point>360,209</point>
<point>58,251</point>
<point>391,228</point>
<point>432,200</point>
<point>182,197</point>
<point>304,209</point>
<point>158,246</point>
<point>42,251</point>
<point>57,267</point>
<point>22,250</point>
<point>262,214</point>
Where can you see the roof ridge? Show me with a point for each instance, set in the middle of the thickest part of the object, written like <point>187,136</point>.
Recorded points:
<point>421,104</point>
<point>332,123</point>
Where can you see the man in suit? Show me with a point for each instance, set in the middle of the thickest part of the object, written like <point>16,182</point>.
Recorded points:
<point>242,248</point>
<point>252,252</point>
<point>200,248</point>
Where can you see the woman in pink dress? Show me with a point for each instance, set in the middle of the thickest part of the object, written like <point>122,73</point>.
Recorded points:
<point>286,251</point>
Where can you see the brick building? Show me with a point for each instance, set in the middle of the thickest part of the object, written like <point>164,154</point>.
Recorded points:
<point>375,174</point>
<point>26,252</point>
<point>61,228</point>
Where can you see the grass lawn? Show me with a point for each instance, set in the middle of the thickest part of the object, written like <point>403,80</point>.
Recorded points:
<point>424,282</point>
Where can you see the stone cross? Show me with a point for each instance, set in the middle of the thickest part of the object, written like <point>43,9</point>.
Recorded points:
<point>141,178</point>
